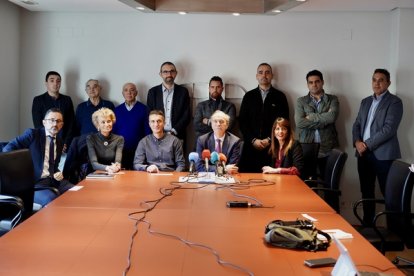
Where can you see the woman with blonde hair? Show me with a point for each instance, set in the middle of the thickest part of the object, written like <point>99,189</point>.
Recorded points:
<point>286,153</point>
<point>105,148</point>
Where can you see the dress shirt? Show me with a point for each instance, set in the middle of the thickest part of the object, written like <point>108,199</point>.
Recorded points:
<point>45,171</point>
<point>371,114</point>
<point>166,153</point>
<point>317,104</point>
<point>167,97</point>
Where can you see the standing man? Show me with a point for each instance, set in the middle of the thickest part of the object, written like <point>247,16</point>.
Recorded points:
<point>172,99</point>
<point>85,110</point>
<point>205,109</point>
<point>131,123</point>
<point>46,149</point>
<point>315,116</point>
<point>259,109</point>
<point>159,151</point>
<point>374,135</point>
<point>53,99</point>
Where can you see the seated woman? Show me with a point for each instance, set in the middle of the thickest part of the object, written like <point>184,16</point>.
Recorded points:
<point>287,156</point>
<point>105,148</point>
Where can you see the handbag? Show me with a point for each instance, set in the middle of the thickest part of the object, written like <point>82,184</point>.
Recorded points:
<point>298,234</point>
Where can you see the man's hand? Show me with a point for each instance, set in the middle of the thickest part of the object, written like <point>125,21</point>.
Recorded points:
<point>58,176</point>
<point>152,169</point>
<point>260,144</point>
<point>361,147</point>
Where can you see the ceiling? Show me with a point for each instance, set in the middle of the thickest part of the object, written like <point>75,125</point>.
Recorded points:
<point>211,6</point>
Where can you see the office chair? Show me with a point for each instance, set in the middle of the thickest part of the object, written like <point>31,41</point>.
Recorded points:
<point>399,229</point>
<point>310,160</point>
<point>328,188</point>
<point>77,165</point>
<point>16,187</point>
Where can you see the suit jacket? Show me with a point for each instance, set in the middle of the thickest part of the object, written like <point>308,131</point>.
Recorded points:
<point>180,114</point>
<point>231,148</point>
<point>322,120</point>
<point>293,158</point>
<point>206,108</point>
<point>383,141</point>
<point>35,140</point>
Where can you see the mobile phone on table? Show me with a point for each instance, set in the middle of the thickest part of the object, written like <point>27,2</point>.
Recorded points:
<point>320,262</point>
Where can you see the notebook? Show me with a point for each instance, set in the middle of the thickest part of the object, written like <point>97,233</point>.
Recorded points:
<point>345,266</point>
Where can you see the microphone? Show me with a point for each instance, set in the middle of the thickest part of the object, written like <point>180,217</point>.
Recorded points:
<point>206,156</point>
<point>193,158</point>
<point>223,160</point>
<point>215,159</point>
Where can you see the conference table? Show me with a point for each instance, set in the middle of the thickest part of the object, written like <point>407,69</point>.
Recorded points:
<point>89,231</point>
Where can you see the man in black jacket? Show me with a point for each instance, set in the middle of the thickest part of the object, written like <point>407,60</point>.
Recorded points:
<point>259,109</point>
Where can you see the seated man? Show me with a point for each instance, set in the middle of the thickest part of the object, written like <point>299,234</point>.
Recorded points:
<point>221,141</point>
<point>159,151</point>
<point>46,149</point>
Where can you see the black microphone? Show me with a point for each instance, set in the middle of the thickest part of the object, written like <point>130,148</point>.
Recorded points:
<point>206,156</point>
<point>193,158</point>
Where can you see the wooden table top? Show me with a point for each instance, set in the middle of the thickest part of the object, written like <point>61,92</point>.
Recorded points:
<point>88,232</point>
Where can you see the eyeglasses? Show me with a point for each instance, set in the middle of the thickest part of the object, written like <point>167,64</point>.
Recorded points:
<point>58,121</point>
<point>165,72</point>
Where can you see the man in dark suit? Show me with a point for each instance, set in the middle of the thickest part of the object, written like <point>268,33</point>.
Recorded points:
<point>52,98</point>
<point>46,149</point>
<point>172,99</point>
<point>259,109</point>
<point>221,141</point>
<point>205,109</point>
<point>374,135</point>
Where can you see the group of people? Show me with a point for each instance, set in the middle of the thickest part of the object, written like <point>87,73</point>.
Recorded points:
<point>150,137</point>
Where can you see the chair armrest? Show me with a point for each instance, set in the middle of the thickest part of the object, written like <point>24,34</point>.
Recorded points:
<point>15,202</point>
<point>359,202</point>
<point>333,191</point>
<point>314,182</point>
<point>53,189</point>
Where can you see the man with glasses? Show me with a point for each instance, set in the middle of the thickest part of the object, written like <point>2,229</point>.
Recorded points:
<point>172,99</point>
<point>53,99</point>
<point>46,149</point>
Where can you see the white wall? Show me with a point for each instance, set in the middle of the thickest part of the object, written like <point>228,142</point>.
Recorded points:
<point>121,47</point>
<point>9,69</point>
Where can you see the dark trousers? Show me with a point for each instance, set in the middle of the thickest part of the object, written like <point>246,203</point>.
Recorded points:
<point>253,160</point>
<point>370,169</point>
<point>43,195</point>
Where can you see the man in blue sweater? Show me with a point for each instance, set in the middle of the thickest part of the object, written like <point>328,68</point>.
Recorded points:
<point>131,123</point>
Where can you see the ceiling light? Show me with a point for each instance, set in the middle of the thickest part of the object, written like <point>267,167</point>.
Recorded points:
<point>140,8</point>
<point>182,12</point>
<point>277,11</point>
<point>236,13</point>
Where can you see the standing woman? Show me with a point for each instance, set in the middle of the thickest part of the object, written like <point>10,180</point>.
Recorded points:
<point>287,155</point>
<point>105,148</point>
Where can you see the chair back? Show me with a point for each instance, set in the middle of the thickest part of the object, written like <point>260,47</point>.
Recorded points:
<point>17,176</point>
<point>398,194</point>
<point>77,164</point>
<point>310,160</point>
<point>333,170</point>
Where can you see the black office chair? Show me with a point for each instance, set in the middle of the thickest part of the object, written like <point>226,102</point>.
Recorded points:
<point>310,160</point>
<point>16,187</point>
<point>399,228</point>
<point>328,188</point>
<point>77,165</point>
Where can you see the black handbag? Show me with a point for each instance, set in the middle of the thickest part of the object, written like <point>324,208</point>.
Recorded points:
<point>298,234</point>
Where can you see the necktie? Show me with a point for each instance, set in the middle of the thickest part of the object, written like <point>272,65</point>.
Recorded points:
<point>51,156</point>
<point>218,145</point>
